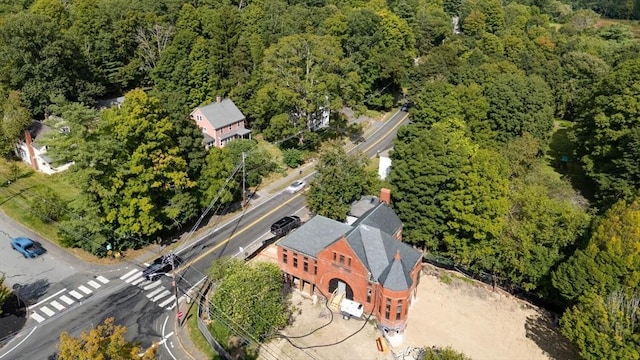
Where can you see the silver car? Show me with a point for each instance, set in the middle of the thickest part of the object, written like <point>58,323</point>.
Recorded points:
<point>296,186</point>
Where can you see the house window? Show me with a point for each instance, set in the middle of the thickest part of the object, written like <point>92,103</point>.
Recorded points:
<point>198,117</point>
<point>387,309</point>
<point>334,256</point>
<point>369,292</point>
<point>284,256</point>
<point>305,266</point>
<point>295,260</point>
<point>229,127</point>
<point>349,262</point>
<point>221,130</point>
<point>398,309</point>
<point>342,259</point>
<point>315,268</point>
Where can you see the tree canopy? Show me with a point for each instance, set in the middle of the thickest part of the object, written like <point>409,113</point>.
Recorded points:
<point>249,298</point>
<point>105,341</point>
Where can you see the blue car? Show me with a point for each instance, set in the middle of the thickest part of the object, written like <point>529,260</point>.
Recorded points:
<point>27,247</point>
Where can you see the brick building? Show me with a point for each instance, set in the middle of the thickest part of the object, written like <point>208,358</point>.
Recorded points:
<point>365,262</point>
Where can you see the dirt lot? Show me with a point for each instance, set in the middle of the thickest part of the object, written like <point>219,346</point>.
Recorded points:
<point>468,316</point>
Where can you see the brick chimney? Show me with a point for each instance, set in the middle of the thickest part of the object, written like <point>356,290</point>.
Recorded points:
<point>397,256</point>
<point>218,98</point>
<point>385,196</point>
<point>30,153</point>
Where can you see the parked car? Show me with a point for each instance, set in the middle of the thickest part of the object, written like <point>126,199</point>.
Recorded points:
<point>27,247</point>
<point>285,225</point>
<point>161,266</point>
<point>296,186</point>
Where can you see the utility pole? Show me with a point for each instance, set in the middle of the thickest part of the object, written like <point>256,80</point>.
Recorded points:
<point>244,193</point>
<point>175,288</point>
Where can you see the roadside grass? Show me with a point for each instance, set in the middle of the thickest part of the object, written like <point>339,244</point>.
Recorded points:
<point>561,160</point>
<point>20,186</point>
<point>196,336</point>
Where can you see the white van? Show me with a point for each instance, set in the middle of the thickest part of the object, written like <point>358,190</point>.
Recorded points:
<point>351,308</point>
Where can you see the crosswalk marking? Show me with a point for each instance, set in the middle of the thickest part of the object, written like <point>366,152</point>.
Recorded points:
<point>154,292</point>
<point>152,285</point>
<point>47,311</point>
<point>166,302</point>
<point>66,299</point>
<point>137,281</point>
<point>37,317</point>
<point>85,289</point>
<point>57,305</point>
<point>134,277</point>
<point>76,294</point>
<point>128,274</point>
<point>94,284</point>
<point>102,279</point>
<point>161,295</point>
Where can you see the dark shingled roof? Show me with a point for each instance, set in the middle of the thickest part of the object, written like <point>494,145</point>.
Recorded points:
<point>315,235</point>
<point>381,217</point>
<point>223,113</point>
<point>373,246</point>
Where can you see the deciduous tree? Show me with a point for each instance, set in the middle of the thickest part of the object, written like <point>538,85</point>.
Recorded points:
<point>105,341</point>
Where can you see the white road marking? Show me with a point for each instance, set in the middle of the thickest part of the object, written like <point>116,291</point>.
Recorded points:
<point>37,317</point>
<point>161,295</point>
<point>57,305</point>
<point>166,302</point>
<point>66,299</point>
<point>123,277</point>
<point>47,299</point>
<point>25,339</point>
<point>85,289</point>
<point>164,325</point>
<point>154,292</point>
<point>152,285</point>
<point>102,279</point>
<point>76,294</point>
<point>94,284</point>
<point>47,311</point>
<point>138,281</point>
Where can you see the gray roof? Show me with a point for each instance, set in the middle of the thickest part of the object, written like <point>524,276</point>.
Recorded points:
<point>38,131</point>
<point>373,246</point>
<point>238,132</point>
<point>315,235</point>
<point>382,217</point>
<point>223,113</point>
<point>360,207</point>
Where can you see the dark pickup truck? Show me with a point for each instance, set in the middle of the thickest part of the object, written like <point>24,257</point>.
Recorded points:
<point>284,225</point>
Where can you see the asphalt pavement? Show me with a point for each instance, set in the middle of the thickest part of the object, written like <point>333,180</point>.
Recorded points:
<point>153,312</point>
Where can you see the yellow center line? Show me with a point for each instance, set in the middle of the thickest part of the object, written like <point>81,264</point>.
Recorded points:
<point>387,133</point>
<point>201,256</point>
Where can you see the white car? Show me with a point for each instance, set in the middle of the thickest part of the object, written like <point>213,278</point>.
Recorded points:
<point>296,186</point>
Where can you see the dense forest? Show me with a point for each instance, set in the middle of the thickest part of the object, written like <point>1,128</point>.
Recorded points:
<point>520,161</point>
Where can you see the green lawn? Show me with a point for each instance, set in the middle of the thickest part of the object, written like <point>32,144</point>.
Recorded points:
<point>20,186</point>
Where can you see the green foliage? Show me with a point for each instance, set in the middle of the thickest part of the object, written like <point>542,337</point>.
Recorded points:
<point>5,292</point>
<point>105,341</point>
<point>219,166</point>
<point>519,104</point>
<point>447,353</point>
<point>134,154</point>
<point>250,297</point>
<point>258,160</point>
<point>48,206</point>
<point>15,120</point>
<point>604,326</point>
<point>340,180</point>
<point>608,134</point>
<point>610,261</point>
<point>539,233</point>
<point>293,157</point>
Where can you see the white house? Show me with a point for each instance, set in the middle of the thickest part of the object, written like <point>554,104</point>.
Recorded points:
<point>35,154</point>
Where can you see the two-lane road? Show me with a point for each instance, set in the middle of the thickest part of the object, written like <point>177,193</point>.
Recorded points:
<point>145,307</point>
